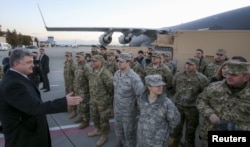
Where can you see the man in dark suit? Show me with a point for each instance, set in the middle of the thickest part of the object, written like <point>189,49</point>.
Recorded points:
<point>44,65</point>
<point>22,112</point>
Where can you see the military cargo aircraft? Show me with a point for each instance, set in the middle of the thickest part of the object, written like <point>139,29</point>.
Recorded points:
<point>237,19</point>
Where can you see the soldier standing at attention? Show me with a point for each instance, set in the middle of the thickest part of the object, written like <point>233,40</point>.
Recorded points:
<point>94,50</point>
<point>128,87</point>
<point>219,59</point>
<point>68,73</point>
<point>225,105</point>
<point>101,90</point>
<point>157,68</point>
<point>167,60</point>
<point>81,87</point>
<point>135,65</point>
<point>188,85</point>
<point>111,62</point>
<point>103,52</point>
<point>202,62</point>
<point>158,115</point>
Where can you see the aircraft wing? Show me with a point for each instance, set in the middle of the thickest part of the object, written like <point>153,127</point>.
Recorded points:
<point>107,30</point>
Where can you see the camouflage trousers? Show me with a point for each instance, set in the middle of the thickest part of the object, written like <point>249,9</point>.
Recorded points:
<point>159,144</point>
<point>125,130</point>
<point>100,115</point>
<point>190,116</point>
<point>83,110</point>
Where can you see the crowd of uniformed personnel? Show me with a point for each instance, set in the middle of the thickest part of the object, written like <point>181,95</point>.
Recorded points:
<point>122,85</point>
<point>147,92</point>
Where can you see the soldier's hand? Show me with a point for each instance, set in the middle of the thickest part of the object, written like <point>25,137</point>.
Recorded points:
<point>214,118</point>
<point>73,100</point>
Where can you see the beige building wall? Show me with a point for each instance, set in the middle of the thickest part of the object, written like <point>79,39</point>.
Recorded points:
<point>236,43</point>
<point>3,39</point>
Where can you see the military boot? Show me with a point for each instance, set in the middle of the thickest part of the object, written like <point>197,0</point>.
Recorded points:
<point>72,114</point>
<point>83,125</point>
<point>102,139</point>
<point>96,132</point>
<point>80,119</point>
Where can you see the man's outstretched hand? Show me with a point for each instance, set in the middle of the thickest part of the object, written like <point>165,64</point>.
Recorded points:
<point>73,100</point>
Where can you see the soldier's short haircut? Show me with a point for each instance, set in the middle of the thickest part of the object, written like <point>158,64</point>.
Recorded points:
<point>18,54</point>
<point>118,51</point>
<point>200,50</point>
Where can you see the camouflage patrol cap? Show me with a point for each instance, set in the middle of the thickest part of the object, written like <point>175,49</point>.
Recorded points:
<point>80,54</point>
<point>124,57</point>
<point>68,54</point>
<point>110,53</point>
<point>221,51</point>
<point>97,58</point>
<point>238,67</point>
<point>193,61</point>
<point>94,49</point>
<point>157,55</point>
<point>154,80</point>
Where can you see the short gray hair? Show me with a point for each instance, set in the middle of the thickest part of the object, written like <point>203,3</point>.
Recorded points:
<point>18,54</point>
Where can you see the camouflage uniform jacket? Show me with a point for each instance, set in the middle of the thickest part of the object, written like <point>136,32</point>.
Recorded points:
<point>127,89</point>
<point>137,69</point>
<point>68,72</point>
<point>211,69</point>
<point>112,66</point>
<point>156,120</point>
<point>218,99</point>
<point>202,65</point>
<point>101,85</point>
<point>169,65</point>
<point>81,86</point>
<point>162,70</point>
<point>188,87</point>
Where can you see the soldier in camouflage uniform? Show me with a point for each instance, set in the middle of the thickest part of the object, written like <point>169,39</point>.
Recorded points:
<point>136,67</point>
<point>103,52</point>
<point>101,90</point>
<point>225,105</point>
<point>156,67</point>
<point>94,50</point>
<point>111,62</point>
<point>219,59</point>
<point>127,89</point>
<point>188,85</point>
<point>202,61</point>
<point>167,60</point>
<point>81,88</point>
<point>68,73</point>
<point>148,59</point>
<point>158,115</point>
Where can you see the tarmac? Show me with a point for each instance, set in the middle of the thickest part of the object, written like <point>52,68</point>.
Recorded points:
<point>64,132</point>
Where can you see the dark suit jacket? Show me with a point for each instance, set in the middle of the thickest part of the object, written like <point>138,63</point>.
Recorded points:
<point>44,63</point>
<point>23,114</point>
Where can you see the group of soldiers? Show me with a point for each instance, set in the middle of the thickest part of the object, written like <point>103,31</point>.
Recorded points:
<point>113,84</point>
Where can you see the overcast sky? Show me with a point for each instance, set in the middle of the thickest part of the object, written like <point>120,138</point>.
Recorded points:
<point>24,16</point>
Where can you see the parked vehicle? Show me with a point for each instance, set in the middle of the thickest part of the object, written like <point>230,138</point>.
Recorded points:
<point>4,46</point>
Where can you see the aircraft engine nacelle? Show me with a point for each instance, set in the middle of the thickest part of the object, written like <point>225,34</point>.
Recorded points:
<point>105,39</point>
<point>124,39</point>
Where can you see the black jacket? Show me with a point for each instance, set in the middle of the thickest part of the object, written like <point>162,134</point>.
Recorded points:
<point>44,64</point>
<point>23,114</point>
